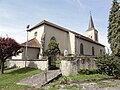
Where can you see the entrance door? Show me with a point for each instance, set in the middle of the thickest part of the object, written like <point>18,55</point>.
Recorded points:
<point>51,62</point>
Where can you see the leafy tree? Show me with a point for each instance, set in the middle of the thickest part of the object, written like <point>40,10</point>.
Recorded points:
<point>114,28</point>
<point>53,47</point>
<point>8,47</point>
<point>108,65</point>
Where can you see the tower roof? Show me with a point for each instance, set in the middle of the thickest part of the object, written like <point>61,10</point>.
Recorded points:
<point>91,24</point>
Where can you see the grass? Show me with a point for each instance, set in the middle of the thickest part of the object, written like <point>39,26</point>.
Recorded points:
<point>11,76</point>
<point>84,77</point>
<point>56,84</point>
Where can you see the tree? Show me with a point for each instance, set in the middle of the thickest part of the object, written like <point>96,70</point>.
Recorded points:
<point>8,47</point>
<point>53,47</point>
<point>108,65</point>
<point>114,28</point>
<point>52,51</point>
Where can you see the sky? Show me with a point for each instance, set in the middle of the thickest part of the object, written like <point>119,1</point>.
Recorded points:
<point>15,15</point>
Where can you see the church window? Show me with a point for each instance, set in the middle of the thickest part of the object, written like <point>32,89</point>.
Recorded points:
<point>53,38</point>
<point>35,34</point>
<point>100,51</point>
<point>81,49</point>
<point>93,51</point>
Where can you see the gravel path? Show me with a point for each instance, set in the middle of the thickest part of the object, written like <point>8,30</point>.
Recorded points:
<point>94,86</point>
<point>110,85</point>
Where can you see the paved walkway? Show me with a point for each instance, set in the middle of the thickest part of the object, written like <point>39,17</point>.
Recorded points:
<point>41,79</point>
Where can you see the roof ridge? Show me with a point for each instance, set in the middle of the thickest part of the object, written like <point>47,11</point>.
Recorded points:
<point>57,26</point>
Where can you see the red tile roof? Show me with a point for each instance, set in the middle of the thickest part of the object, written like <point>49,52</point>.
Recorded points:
<point>32,43</point>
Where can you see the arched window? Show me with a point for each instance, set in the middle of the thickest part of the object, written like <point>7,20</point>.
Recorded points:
<point>53,38</point>
<point>93,51</point>
<point>81,49</point>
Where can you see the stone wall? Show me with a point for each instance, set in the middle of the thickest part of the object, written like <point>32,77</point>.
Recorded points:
<point>71,65</point>
<point>40,64</point>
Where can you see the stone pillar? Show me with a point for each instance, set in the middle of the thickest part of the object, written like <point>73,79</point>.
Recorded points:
<point>68,67</point>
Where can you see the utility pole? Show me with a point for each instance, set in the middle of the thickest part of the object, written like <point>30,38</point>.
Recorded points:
<point>26,45</point>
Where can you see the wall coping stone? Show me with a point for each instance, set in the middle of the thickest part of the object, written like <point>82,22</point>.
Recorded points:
<point>71,58</point>
<point>29,60</point>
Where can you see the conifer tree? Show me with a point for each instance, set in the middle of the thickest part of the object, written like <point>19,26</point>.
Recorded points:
<point>114,28</point>
<point>53,47</point>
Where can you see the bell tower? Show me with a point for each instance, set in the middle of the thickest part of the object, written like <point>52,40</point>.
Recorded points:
<point>91,32</point>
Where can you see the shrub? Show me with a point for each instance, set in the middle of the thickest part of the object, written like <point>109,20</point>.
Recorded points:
<point>87,71</point>
<point>64,80</point>
<point>109,65</point>
<point>57,62</point>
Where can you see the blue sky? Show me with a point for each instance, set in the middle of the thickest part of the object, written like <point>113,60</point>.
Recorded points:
<point>15,15</point>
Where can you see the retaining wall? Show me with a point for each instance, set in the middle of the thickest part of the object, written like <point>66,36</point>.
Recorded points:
<point>71,65</point>
<point>40,64</point>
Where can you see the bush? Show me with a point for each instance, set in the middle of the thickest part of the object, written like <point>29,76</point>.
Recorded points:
<point>65,80</point>
<point>87,71</point>
<point>57,63</point>
<point>109,65</point>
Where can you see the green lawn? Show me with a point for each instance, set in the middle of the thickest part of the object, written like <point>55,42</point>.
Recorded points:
<point>65,81</point>
<point>84,77</point>
<point>11,76</point>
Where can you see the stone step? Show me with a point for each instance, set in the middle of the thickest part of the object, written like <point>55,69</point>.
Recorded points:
<point>41,79</point>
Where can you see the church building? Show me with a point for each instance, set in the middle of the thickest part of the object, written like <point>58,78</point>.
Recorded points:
<point>74,43</point>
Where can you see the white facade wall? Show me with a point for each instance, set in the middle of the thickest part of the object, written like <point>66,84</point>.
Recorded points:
<point>39,31</point>
<point>62,38</point>
<point>72,42</point>
<point>91,34</point>
<point>88,47</point>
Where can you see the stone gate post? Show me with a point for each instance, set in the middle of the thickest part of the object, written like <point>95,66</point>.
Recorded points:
<point>68,66</point>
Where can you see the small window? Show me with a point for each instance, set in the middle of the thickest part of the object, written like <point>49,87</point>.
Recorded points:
<point>101,52</point>
<point>81,49</point>
<point>93,52</point>
<point>35,34</point>
<point>91,37</point>
<point>96,37</point>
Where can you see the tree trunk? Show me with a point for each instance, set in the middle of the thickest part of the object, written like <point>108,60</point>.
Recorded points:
<point>2,67</point>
